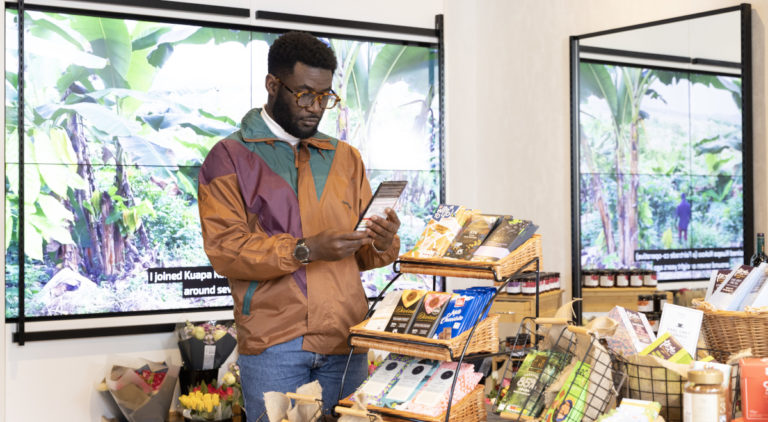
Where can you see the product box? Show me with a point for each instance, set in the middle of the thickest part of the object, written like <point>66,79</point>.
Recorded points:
<point>754,389</point>
<point>758,296</point>
<point>715,280</point>
<point>733,291</point>
<point>404,312</point>
<point>683,323</point>
<point>632,335</point>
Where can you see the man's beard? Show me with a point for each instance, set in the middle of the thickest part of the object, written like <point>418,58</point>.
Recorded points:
<point>281,111</point>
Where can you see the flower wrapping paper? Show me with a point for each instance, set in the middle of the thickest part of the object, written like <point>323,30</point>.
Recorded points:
<point>138,400</point>
<point>199,355</point>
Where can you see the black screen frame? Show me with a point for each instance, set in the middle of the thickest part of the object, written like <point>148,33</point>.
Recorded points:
<point>746,76</point>
<point>21,335</point>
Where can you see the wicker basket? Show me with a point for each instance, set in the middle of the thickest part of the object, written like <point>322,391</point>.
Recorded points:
<point>475,269</point>
<point>733,331</point>
<point>484,340</point>
<point>469,409</point>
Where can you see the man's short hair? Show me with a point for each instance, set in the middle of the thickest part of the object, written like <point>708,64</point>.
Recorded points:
<point>294,47</point>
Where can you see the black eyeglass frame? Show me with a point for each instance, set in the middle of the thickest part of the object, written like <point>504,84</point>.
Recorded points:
<point>318,97</point>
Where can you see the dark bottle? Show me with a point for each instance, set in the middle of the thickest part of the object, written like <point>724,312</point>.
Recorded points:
<point>759,256</point>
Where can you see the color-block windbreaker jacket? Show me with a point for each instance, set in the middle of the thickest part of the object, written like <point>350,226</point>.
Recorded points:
<point>257,196</point>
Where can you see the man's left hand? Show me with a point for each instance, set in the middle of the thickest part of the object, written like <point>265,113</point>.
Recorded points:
<point>382,231</point>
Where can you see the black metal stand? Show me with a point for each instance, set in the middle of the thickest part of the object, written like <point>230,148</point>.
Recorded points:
<point>463,355</point>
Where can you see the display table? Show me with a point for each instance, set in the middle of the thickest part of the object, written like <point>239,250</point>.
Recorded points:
<point>603,299</point>
<point>515,307</point>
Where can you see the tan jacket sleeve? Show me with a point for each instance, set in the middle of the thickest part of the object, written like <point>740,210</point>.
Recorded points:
<point>232,238</point>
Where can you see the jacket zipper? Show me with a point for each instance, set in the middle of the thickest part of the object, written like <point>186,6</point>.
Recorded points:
<point>248,296</point>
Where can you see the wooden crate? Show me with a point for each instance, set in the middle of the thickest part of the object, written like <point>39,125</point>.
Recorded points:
<point>515,307</point>
<point>603,299</point>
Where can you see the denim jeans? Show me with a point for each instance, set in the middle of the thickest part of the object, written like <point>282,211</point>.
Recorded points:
<point>285,367</point>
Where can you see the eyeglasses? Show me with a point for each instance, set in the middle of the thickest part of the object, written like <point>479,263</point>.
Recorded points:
<point>305,99</point>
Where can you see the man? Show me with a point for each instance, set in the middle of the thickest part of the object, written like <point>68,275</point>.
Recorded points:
<point>278,206</point>
<point>683,213</point>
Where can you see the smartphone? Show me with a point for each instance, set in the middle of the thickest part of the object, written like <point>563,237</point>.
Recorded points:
<point>386,196</point>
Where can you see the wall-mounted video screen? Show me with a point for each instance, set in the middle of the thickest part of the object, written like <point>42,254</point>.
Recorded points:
<point>119,115</point>
<point>660,170</point>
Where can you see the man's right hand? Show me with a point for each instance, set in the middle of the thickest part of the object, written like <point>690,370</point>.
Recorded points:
<point>333,245</point>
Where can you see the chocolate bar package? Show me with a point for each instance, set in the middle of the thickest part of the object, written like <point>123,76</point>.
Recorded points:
<point>432,398</point>
<point>471,236</point>
<point>413,377</point>
<point>462,313</point>
<point>509,234</point>
<point>536,373</point>
<point>667,348</point>
<point>428,315</point>
<point>384,377</point>
<point>404,312</point>
<point>571,400</point>
<point>384,310</point>
<point>455,312</point>
<point>445,224</point>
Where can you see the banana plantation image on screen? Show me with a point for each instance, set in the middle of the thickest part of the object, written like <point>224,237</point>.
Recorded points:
<point>118,117</point>
<point>661,170</point>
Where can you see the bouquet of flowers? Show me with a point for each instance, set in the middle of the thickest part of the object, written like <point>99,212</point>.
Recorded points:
<point>215,401</point>
<point>206,346</point>
<point>143,392</point>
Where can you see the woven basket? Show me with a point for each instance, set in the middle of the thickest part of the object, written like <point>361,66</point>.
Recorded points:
<point>447,267</point>
<point>733,331</point>
<point>484,340</point>
<point>471,408</point>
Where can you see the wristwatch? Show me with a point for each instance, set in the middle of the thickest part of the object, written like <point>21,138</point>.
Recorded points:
<point>301,252</point>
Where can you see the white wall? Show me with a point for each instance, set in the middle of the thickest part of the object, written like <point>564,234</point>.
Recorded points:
<point>508,150</point>
<point>55,380</point>
<point>508,106</point>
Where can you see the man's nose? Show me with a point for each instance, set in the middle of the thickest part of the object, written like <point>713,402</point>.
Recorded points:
<point>315,106</point>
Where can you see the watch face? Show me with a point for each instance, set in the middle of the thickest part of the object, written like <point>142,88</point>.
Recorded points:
<point>301,252</point>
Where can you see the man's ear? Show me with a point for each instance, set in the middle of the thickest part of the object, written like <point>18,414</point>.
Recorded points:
<point>271,84</point>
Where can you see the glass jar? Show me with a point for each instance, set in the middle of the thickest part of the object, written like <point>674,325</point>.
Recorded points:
<point>654,319</point>
<point>590,278</point>
<point>704,397</point>
<point>622,278</point>
<point>636,278</point>
<point>645,303</point>
<point>515,286</point>
<point>649,279</point>
<point>607,278</point>
<point>529,285</point>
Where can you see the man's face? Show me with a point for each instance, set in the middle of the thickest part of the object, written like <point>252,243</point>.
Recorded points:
<point>298,121</point>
